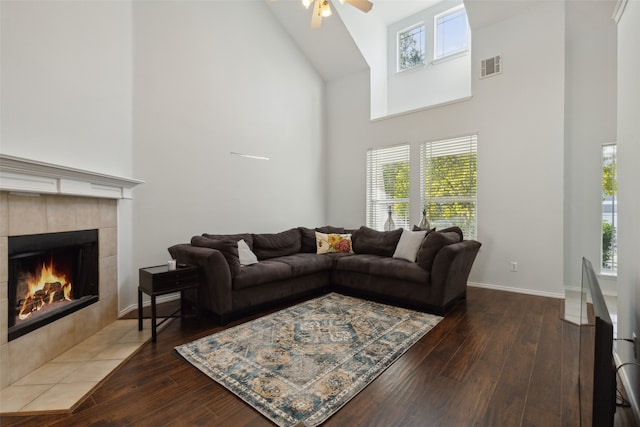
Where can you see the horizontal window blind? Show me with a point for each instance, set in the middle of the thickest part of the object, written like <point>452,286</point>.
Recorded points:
<point>388,186</point>
<point>609,209</point>
<point>448,175</point>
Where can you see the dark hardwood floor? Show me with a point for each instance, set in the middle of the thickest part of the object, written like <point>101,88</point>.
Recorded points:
<point>497,359</point>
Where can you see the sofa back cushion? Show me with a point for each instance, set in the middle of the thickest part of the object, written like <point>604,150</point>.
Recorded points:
<point>229,249</point>
<point>267,246</point>
<point>308,236</point>
<point>432,244</point>
<point>247,237</point>
<point>369,241</point>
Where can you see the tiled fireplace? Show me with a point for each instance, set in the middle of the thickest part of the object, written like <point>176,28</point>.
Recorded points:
<point>40,201</point>
<point>24,215</point>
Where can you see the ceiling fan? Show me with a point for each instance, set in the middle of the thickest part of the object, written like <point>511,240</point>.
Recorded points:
<point>322,9</point>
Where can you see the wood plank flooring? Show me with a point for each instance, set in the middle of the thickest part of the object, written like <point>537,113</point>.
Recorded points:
<point>497,359</point>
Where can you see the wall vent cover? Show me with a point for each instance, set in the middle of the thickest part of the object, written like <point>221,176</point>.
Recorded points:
<point>491,66</point>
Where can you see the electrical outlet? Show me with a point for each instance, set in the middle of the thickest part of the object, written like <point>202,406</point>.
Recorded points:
<point>513,266</point>
<point>636,345</point>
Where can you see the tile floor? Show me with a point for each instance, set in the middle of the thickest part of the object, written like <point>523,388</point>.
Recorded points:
<point>61,384</point>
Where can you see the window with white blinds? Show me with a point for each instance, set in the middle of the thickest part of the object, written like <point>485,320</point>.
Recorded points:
<point>388,186</point>
<point>448,175</point>
<point>609,209</point>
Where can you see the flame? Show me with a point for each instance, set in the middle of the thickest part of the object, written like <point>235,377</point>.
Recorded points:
<point>40,292</point>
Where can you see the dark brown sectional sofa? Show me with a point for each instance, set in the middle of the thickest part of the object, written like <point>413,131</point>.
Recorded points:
<point>289,268</point>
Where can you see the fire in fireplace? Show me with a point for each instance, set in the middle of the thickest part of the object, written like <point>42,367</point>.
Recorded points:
<point>50,276</point>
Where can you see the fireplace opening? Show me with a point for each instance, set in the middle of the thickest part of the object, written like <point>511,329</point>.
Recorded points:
<point>50,276</point>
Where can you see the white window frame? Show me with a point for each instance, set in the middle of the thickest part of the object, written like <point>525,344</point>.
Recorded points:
<point>610,218</point>
<point>430,150</point>
<point>435,33</point>
<point>377,199</point>
<point>424,46</point>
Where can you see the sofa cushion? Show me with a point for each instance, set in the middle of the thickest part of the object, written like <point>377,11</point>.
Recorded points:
<point>307,240</point>
<point>267,246</point>
<point>247,237</point>
<point>261,273</point>
<point>358,263</point>
<point>302,264</point>
<point>329,229</point>
<point>328,243</point>
<point>229,250</point>
<point>454,229</point>
<point>410,242</point>
<point>432,244</point>
<point>370,241</point>
<point>400,269</point>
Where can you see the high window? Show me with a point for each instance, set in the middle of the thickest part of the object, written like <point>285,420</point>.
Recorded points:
<point>609,208</point>
<point>388,186</point>
<point>451,32</point>
<point>448,171</point>
<point>411,47</point>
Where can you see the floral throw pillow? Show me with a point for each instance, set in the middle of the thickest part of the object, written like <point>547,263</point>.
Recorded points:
<point>327,243</point>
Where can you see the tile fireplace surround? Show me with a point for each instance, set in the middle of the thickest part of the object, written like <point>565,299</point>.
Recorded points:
<point>33,214</point>
<point>38,197</point>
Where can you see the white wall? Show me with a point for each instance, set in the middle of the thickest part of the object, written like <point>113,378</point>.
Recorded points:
<point>211,78</point>
<point>590,116</point>
<point>66,83</point>
<point>370,35</point>
<point>66,78</point>
<point>629,199</point>
<point>518,116</point>
<point>436,82</point>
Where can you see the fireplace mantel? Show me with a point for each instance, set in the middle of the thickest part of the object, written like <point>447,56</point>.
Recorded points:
<point>31,176</point>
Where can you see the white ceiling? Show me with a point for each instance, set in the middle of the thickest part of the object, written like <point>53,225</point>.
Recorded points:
<point>391,11</point>
<point>331,49</point>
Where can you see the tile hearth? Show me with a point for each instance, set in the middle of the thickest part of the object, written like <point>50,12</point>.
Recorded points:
<point>61,384</point>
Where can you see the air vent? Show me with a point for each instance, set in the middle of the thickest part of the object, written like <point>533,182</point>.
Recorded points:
<point>491,66</point>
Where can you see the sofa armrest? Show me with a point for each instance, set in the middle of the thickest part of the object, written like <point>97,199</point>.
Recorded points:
<point>215,275</point>
<point>451,268</point>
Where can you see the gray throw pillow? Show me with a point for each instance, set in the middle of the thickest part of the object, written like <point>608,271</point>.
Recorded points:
<point>409,244</point>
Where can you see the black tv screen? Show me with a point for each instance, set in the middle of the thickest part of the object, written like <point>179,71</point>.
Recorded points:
<point>597,371</point>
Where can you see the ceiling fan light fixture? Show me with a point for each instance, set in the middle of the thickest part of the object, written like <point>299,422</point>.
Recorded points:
<point>307,3</point>
<point>326,9</point>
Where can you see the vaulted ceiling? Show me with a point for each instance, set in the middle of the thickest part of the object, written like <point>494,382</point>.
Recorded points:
<point>332,50</point>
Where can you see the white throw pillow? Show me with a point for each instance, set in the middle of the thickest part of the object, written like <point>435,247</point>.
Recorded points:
<point>247,257</point>
<point>409,245</point>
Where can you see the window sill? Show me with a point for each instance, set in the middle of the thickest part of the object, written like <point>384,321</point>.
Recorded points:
<point>414,68</point>
<point>450,57</point>
<point>608,274</point>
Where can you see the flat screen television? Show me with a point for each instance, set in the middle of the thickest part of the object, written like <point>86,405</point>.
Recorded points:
<point>597,371</point>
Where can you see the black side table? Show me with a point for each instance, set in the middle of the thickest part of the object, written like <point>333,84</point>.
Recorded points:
<point>159,280</point>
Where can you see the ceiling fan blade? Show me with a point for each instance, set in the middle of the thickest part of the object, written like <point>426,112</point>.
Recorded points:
<point>363,5</point>
<point>316,17</point>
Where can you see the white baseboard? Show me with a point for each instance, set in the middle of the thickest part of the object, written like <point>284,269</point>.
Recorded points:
<point>631,393</point>
<point>516,290</point>
<point>147,303</point>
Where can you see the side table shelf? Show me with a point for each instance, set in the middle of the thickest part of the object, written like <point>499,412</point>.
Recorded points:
<point>159,280</point>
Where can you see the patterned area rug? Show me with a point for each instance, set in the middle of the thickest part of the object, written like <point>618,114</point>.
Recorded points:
<point>300,365</point>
